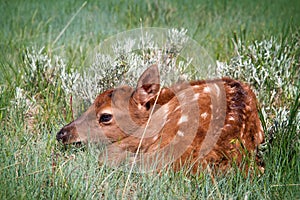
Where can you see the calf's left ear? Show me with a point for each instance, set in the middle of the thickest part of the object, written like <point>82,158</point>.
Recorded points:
<point>148,85</point>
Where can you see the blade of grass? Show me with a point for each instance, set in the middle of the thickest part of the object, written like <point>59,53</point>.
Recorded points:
<point>68,24</point>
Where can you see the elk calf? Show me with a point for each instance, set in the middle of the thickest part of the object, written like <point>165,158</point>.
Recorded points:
<point>193,124</point>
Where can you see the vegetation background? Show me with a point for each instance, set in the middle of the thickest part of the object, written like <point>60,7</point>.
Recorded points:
<point>43,44</point>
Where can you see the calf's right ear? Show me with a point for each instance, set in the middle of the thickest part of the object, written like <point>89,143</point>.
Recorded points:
<point>148,85</point>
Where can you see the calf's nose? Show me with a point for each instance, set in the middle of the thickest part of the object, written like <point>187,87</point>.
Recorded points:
<point>67,134</point>
<point>61,134</point>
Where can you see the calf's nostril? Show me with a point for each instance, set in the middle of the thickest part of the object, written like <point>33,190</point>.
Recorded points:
<point>61,134</point>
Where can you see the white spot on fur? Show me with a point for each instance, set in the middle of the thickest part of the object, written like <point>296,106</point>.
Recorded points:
<point>243,140</point>
<point>204,115</point>
<point>231,118</point>
<point>155,138</point>
<point>228,126</point>
<point>260,135</point>
<point>242,130</point>
<point>196,86</point>
<point>177,108</point>
<point>180,133</point>
<point>196,97</point>
<point>182,119</point>
<point>140,107</point>
<point>248,108</point>
<point>206,89</point>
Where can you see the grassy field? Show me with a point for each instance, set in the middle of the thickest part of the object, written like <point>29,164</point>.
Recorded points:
<point>44,44</point>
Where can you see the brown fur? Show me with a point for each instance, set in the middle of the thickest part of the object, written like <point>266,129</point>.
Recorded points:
<point>226,132</point>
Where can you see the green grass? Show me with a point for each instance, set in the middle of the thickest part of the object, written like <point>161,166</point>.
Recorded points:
<point>33,106</point>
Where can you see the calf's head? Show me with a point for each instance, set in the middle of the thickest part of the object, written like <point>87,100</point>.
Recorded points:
<point>116,113</point>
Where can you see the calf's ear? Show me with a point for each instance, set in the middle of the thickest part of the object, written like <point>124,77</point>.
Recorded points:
<point>147,86</point>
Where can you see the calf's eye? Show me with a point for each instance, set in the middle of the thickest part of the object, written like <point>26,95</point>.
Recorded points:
<point>105,118</point>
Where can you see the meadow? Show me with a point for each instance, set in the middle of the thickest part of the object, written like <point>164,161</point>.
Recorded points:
<point>44,50</point>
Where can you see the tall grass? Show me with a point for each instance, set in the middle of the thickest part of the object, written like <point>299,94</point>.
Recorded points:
<point>255,41</point>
